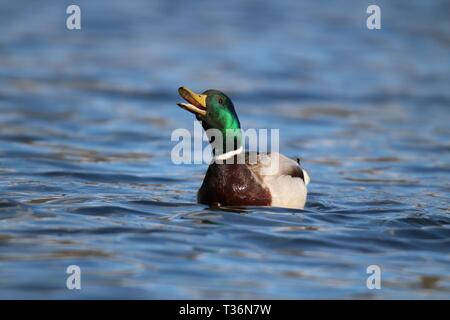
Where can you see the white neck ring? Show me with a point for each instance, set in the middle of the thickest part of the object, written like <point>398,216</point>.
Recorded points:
<point>229,154</point>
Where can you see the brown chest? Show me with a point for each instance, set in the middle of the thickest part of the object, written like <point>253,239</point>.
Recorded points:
<point>232,185</point>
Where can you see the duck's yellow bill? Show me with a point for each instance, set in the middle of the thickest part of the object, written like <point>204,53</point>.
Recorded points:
<point>196,102</point>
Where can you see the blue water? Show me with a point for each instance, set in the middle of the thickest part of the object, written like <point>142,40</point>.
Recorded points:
<point>85,171</point>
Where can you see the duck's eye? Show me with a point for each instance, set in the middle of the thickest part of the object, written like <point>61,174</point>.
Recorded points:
<point>221,101</point>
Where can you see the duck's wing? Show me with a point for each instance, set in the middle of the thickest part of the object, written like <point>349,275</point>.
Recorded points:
<point>274,164</point>
<point>284,177</point>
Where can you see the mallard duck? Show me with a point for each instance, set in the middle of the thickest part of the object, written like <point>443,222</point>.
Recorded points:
<point>235,177</point>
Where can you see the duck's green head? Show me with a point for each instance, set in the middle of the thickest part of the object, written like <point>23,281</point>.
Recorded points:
<point>215,110</point>
<point>212,107</point>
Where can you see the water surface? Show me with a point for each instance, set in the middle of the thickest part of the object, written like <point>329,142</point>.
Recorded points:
<point>85,171</point>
